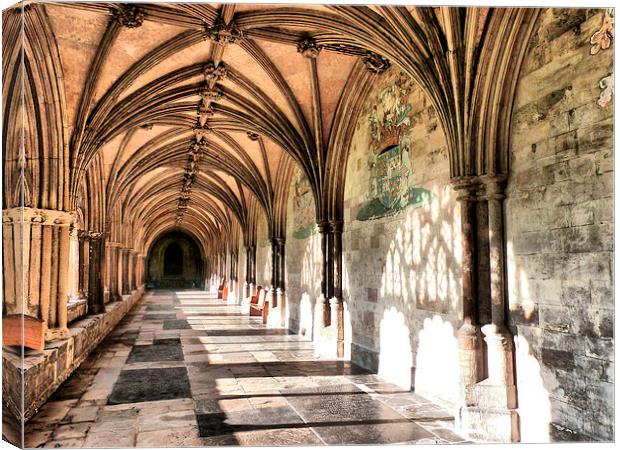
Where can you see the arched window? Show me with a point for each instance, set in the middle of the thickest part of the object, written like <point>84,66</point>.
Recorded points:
<point>173,260</point>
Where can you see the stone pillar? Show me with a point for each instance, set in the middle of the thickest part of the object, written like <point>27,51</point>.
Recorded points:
<point>469,336</point>
<point>125,270</point>
<point>96,258</point>
<point>133,285</point>
<point>37,279</point>
<point>337,306</point>
<point>115,274</point>
<point>498,392</point>
<point>322,305</point>
<point>144,270</point>
<point>281,262</point>
<point>275,268</point>
<point>83,252</point>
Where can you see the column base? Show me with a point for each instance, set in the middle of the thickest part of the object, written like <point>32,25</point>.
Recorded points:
<point>491,425</point>
<point>471,360</point>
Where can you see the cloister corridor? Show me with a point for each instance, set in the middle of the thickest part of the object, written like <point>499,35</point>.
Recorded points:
<point>184,368</point>
<point>307,224</point>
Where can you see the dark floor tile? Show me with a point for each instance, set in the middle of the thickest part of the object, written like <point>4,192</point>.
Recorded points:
<point>178,324</point>
<point>160,308</point>
<point>148,385</point>
<point>371,433</point>
<point>160,350</point>
<point>250,420</point>
<point>329,407</point>
<point>166,316</point>
<point>249,332</point>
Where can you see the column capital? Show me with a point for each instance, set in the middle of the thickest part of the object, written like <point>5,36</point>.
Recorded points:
<point>337,225</point>
<point>494,186</point>
<point>323,226</point>
<point>37,215</point>
<point>465,186</point>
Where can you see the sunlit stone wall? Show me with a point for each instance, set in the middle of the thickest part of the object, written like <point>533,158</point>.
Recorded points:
<point>303,256</point>
<point>263,254</point>
<point>559,232</point>
<point>402,277</point>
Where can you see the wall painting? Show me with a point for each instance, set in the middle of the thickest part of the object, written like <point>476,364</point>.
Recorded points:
<point>391,175</point>
<point>304,224</point>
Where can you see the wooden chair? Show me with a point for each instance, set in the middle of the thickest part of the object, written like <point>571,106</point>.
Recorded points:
<point>220,289</point>
<point>260,306</point>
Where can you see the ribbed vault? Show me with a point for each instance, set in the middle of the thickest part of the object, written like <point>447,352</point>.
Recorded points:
<point>194,115</point>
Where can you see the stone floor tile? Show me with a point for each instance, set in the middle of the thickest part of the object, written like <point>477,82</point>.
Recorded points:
<point>166,420</point>
<point>66,443</point>
<point>213,376</point>
<point>34,438</point>
<point>175,437</point>
<point>111,438</point>
<point>144,385</point>
<point>71,431</point>
<point>81,414</point>
<point>278,437</point>
<point>54,411</point>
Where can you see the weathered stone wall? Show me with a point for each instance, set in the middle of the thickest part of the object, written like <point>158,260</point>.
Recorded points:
<point>402,278</point>
<point>303,258</point>
<point>559,232</point>
<point>44,371</point>
<point>263,254</point>
<point>241,268</point>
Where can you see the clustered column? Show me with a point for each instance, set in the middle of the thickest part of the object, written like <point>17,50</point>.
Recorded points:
<point>484,307</point>
<point>96,256</point>
<point>250,263</point>
<point>36,268</point>
<point>331,279</point>
<point>468,335</point>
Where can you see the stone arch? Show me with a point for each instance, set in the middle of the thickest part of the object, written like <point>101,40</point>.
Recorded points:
<point>175,261</point>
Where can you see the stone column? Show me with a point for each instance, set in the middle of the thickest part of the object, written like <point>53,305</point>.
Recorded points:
<point>125,270</point>
<point>114,276</point>
<point>144,270</point>
<point>281,262</point>
<point>96,258</point>
<point>322,302</point>
<point>337,315</point>
<point>83,252</point>
<point>468,336</point>
<point>499,389</point>
<point>133,269</point>
<point>37,279</point>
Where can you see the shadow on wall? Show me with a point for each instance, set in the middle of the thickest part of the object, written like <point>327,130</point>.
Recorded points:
<point>412,316</point>
<point>533,398</point>
<point>303,272</point>
<point>437,360</point>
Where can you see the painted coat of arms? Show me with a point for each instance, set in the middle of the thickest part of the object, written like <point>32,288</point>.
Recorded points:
<point>391,175</point>
<point>303,208</point>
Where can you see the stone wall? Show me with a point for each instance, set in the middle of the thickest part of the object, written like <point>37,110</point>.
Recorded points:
<point>303,258</point>
<point>44,371</point>
<point>263,254</point>
<point>559,232</point>
<point>402,242</point>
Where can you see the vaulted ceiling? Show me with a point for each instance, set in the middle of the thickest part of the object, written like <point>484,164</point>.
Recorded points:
<point>194,115</point>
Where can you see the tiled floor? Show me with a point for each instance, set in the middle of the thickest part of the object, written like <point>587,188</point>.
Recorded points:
<point>185,369</point>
